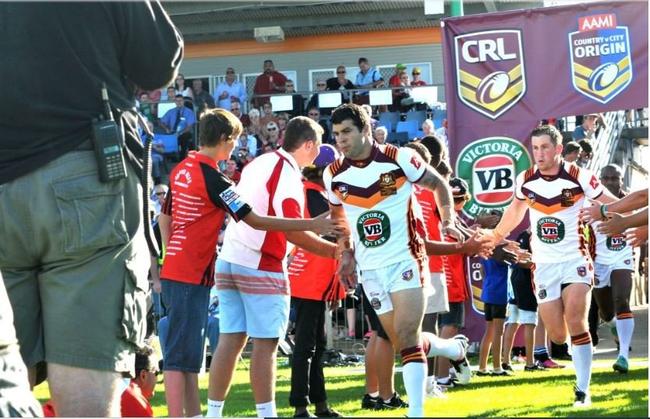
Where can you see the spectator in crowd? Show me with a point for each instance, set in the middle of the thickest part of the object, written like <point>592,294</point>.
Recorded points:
<point>315,288</point>
<point>154,95</point>
<point>255,127</point>
<point>272,135</point>
<point>402,101</point>
<point>267,116</point>
<point>170,94</point>
<point>428,128</point>
<point>373,122</point>
<point>235,108</point>
<point>321,86</point>
<point>442,133</point>
<point>313,113</point>
<point>589,126</point>
<point>367,77</point>
<point>259,306</point>
<point>230,90</point>
<point>340,82</point>
<point>181,89</point>
<point>188,269</point>
<point>396,79</point>
<point>283,120</point>
<point>522,309</point>
<point>146,108</point>
<point>380,135</point>
<point>202,99</point>
<point>297,100</point>
<point>180,121</point>
<point>231,171</point>
<point>571,151</point>
<point>246,144</point>
<point>158,197</point>
<point>586,153</point>
<point>417,80</point>
<point>495,298</point>
<point>269,82</point>
<point>71,288</point>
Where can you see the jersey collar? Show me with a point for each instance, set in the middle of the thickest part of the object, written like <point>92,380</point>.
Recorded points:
<point>288,157</point>
<point>365,162</point>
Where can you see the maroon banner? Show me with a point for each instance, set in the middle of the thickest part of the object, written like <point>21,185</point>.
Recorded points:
<point>506,71</point>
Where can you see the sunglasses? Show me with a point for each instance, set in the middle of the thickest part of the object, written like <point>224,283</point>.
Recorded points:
<point>313,114</point>
<point>234,109</point>
<point>161,193</point>
<point>340,72</point>
<point>271,128</point>
<point>320,84</point>
<point>416,74</point>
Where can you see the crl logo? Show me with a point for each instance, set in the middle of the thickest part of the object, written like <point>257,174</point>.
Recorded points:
<point>490,76</point>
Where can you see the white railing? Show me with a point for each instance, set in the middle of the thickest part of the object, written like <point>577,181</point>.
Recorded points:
<point>606,142</point>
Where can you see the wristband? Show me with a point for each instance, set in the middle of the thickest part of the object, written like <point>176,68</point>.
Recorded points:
<point>603,211</point>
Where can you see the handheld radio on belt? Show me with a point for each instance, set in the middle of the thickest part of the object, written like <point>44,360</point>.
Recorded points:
<point>108,142</point>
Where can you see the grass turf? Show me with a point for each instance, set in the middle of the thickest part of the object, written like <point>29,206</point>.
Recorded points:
<point>537,394</point>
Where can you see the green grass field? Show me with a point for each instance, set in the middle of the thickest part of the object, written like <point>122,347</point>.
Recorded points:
<point>546,393</point>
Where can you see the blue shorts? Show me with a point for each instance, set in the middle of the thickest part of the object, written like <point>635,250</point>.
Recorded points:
<point>187,318</point>
<point>252,301</point>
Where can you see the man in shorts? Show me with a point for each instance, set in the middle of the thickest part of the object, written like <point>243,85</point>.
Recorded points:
<point>372,188</point>
<point>555,191</point>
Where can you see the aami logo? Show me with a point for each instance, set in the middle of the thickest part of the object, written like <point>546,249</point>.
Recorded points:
<point>550,230</point>
<point>494,180</point>
<point>373,228</point>
<point>490,167</point>
<point>616,243</point>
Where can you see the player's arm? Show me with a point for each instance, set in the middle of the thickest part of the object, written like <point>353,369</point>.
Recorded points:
<point>617,223</point>
<point>347,264</point>
<point>512,217</point>
<point>477,244</point>
<point>320,224</point>
<point>444,200</point>
<point>312,243</point>
<point>165,223</point>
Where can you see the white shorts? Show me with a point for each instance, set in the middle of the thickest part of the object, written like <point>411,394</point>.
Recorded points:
<point>603,273</point>
<point>439,301</point>
<point>549,277</point>
<point>517,315</point>
<point>379,283</point>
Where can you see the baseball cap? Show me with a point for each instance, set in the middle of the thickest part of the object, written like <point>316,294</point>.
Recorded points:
<point>416,70</point>
<point>327,154</point>
<point>458,187</point>
<point>400,66</point>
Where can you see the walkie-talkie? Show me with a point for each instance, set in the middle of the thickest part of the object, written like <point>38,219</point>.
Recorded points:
<point>108,143</point>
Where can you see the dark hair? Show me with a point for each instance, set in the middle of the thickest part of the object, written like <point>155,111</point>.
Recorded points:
<point>353,112</point>
<point>179,95</point>
<point>300,130</point>
<point>585,145</point>
<point>570,147</point>
<point>612,166</point>
<point>215,124</point>
<point>550,130</point>
<point>143,359</point>
<point>363,60</point>
<point>421,150</point>
<point>313,173</point>
<point>443,168</point>
<point>435,146</point>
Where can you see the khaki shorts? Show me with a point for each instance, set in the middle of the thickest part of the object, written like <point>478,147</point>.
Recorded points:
<point>75,262</point>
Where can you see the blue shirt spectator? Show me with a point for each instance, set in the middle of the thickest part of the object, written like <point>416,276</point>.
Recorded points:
<point>228,90</point>
<point>495,282</point>
<point>368,76</point>
<point>178,120</point>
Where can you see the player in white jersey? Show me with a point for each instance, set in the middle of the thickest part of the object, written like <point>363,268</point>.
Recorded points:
<point>614,265</point>
<point>554,192</point>
<point>372,187</point>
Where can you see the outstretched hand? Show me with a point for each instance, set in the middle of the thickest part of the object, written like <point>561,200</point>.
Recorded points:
<point>637,236</point>
<point>347,270</point>
<point>478,244</point>
<point>326,226</point>
<point>591,213</point>
<point>613,224</point>
<point>452,231</point>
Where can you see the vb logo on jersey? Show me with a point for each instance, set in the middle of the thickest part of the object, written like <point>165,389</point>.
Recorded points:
<point>373,228</point>
<point>490,76</point>
<point>616,243</point>
<point>550,230</point>
<point>490,166</point>
<point>601,63</point>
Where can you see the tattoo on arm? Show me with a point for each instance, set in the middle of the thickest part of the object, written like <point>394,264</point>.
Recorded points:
<point>432,180</point>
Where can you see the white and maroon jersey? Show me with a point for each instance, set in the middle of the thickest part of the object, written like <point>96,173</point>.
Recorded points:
<point>272,185</point>
<point>610,250</point>
<point>383,213</point>
<point>554,206</point>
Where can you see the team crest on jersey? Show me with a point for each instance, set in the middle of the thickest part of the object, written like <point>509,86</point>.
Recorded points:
<point>387,184</point>
<point>375,303</point>
<point>582,271</point>
<point>407,275</point>
<point>601,62</point>
<point>490,166</point>
<point>616,243</point>
<point>183,178</point>
<point>541,294</point>
<point>550,230</point>
<point>373,228</point>
<point>627,261</point>
<point>490,76</point>
<point>566,198</point>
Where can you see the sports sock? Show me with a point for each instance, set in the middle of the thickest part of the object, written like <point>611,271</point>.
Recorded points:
<point>624,329</point>
<point>541,353</point>
<point>414,373</point>
<point>431,379</point>
<point>374,394</point>
<point>435,346</point>
<point>215,408</point>
<point>266,410</point>
<point>582,356</point>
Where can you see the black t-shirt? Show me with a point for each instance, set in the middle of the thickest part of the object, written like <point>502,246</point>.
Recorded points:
<point>56,55</point>
<point>521,280</point>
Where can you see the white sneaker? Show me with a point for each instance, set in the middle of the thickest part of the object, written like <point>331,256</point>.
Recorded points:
<point>435,391</point>
<point>462,367</point>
